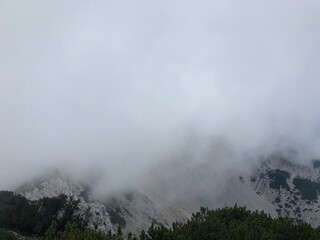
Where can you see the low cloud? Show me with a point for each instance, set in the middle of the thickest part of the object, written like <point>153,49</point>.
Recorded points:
<point>130,87</point>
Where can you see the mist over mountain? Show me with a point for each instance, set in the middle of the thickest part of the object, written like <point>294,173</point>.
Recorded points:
<point>180,95</point>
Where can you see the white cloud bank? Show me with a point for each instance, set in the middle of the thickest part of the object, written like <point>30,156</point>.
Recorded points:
<point>126,85</point>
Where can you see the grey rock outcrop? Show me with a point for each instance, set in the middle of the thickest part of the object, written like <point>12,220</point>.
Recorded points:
<point>132,211</point>
<point>278,187</point>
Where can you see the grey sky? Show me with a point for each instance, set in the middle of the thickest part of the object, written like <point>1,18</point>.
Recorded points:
<point>122,85</point>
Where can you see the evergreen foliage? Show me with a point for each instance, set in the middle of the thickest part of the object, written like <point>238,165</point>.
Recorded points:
<point>278,179</point>
<point>309,190</point>
<point>33,217</point>
<point>40,219</point>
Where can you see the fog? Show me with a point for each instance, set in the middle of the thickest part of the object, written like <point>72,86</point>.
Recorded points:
<point>140,90</point>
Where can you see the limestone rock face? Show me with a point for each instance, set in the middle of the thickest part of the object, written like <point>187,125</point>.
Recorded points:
<point>292,189</point>
<point>278,187</point>
<point>132,211</point>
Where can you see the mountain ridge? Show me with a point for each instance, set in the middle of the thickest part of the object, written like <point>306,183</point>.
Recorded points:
<point>278,186</point>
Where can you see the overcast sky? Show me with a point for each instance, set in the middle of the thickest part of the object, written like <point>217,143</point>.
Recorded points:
<point>126,85</point>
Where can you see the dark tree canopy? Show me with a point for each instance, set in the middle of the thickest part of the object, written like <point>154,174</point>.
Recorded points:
<point>39,219</point>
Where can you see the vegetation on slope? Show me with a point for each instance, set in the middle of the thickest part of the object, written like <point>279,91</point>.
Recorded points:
<point>34,217</point>
<point>23,216</point>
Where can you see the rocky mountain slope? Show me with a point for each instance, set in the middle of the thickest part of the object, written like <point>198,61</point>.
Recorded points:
<point>278,186</point>
<point>131,210</point>
<point>292,189</point>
